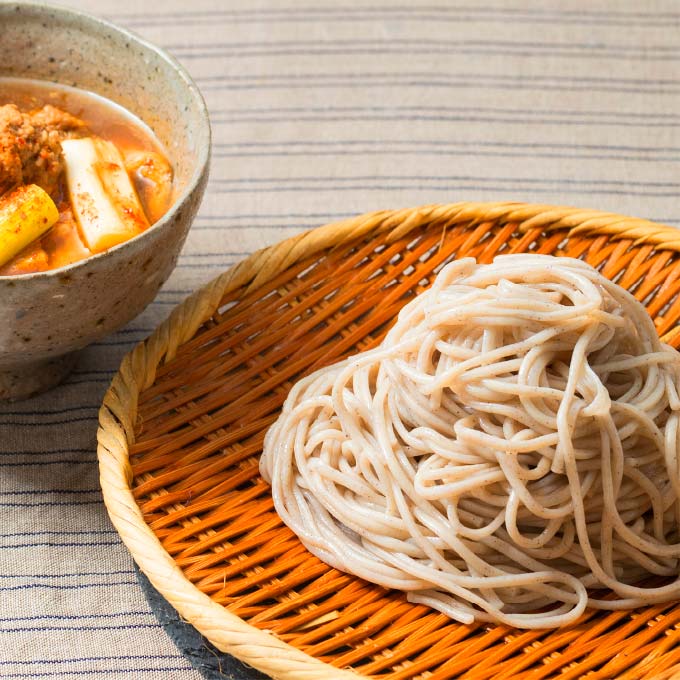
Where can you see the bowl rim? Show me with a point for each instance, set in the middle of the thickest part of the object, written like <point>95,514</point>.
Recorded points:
<point>31,8</point>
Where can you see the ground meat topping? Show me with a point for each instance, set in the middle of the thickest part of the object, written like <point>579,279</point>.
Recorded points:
<point>30,145</point>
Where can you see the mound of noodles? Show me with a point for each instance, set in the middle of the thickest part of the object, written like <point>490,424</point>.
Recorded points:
<point>511,445</point>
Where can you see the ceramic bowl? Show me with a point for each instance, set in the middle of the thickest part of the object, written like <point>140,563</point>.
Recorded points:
<point>47,317</point>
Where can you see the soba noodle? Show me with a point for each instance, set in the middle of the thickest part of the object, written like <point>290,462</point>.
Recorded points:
<point>511,445</point>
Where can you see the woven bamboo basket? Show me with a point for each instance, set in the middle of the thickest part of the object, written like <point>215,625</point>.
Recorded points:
<point>182,424</point>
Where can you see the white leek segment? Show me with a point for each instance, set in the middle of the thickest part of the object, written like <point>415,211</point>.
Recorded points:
<point>103,198</point>
<point>26,213</point>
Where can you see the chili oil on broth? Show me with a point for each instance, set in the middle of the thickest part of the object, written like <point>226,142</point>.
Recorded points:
<point>105,119</point>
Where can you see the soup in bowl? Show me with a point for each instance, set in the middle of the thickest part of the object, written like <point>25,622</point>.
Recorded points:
<point>104,154</point>
<point>78,175</point>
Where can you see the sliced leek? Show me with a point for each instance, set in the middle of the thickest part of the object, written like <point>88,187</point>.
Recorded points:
<point>103,198</point>
<point>26,213</point>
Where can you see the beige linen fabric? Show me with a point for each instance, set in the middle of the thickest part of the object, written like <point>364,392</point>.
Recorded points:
<point>322,110</point>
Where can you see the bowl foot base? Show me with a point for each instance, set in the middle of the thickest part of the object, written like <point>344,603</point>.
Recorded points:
<point>29,379</point>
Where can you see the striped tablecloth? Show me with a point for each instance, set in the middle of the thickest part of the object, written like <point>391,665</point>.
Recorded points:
<point>322,110</point>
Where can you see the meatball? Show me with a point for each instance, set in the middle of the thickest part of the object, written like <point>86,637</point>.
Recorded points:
<point>30,145</point>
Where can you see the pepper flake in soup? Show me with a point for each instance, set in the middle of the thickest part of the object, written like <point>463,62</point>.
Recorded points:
<point>78,175</point>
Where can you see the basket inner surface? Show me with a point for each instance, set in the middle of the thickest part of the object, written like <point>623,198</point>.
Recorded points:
<point>199,435</point>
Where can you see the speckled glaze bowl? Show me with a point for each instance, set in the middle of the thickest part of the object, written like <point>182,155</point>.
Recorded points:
<point>45,318</point>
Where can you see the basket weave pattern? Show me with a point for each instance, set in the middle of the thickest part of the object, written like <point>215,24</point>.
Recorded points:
<point>181,430</point>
